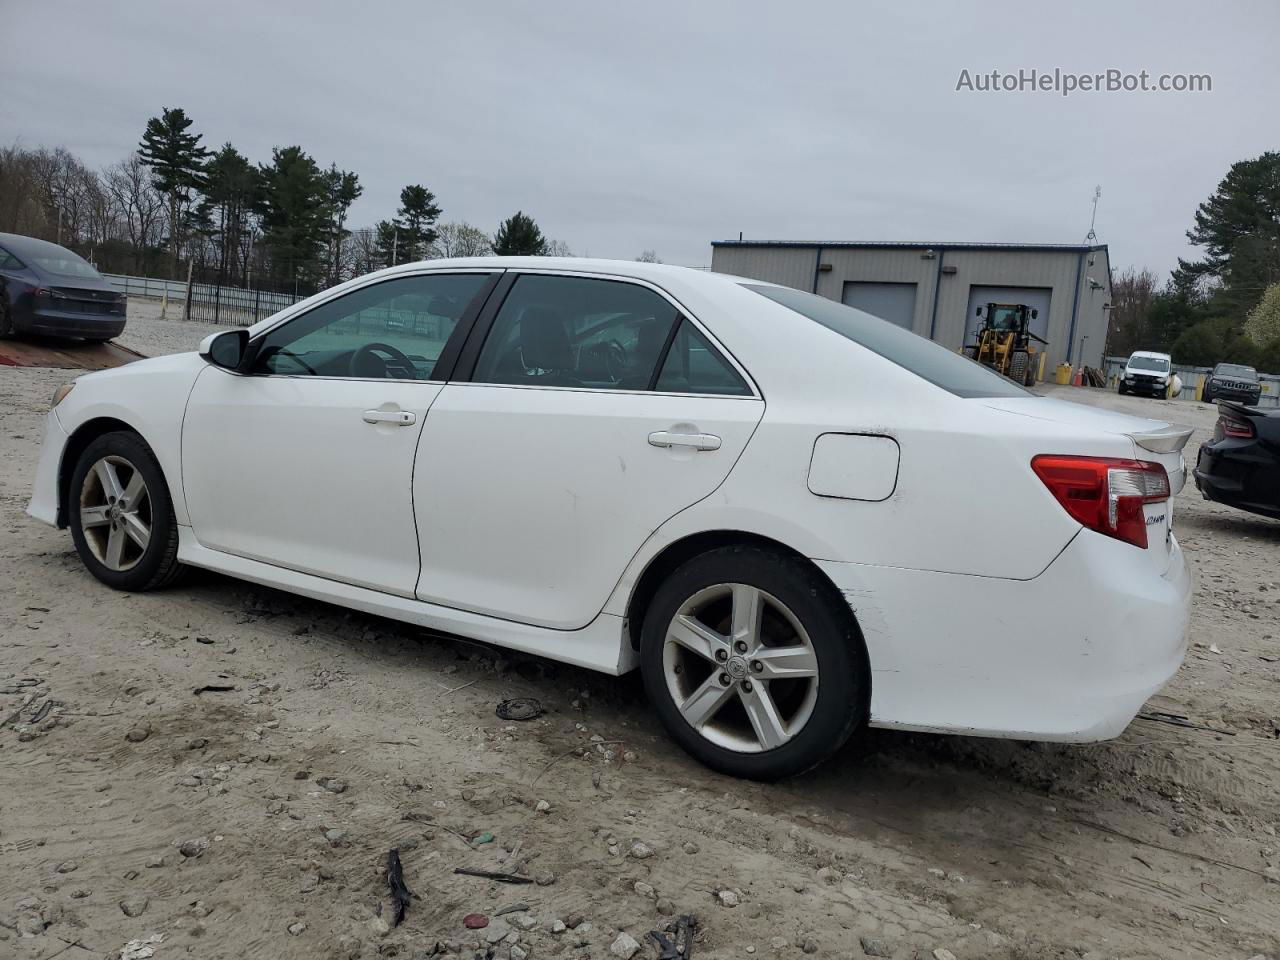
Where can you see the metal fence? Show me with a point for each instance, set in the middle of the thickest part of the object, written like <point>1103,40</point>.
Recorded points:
<point>147,286</point>
<point>207,302</point>
<point>236,306</point>
<point>1191,377</point>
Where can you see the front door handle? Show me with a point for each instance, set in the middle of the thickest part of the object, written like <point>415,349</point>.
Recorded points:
<point>400,418</point>
<point>699,441</point>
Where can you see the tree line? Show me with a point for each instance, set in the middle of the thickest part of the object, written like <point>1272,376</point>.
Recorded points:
<point>1225,306</point>
<point>175,205</point>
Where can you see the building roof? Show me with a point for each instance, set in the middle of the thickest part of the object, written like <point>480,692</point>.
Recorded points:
<point>910,245</point>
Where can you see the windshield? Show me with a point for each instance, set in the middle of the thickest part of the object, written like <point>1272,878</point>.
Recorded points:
<point>1236,370</point>
<point>64,263</point>
<point>926,359</point>
<point>1158,364</point>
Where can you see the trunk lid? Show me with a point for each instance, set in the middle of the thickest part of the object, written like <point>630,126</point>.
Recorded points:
<point>1157,441</point>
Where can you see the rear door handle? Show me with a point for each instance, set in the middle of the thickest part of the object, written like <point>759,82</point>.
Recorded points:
<point>401,418</point>
<point>699,441</point>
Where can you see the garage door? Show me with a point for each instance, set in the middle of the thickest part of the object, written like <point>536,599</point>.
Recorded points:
<point>1035,297</point>
<point>895,302</point>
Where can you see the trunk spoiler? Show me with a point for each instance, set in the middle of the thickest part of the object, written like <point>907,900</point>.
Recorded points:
<point>1168,439</point>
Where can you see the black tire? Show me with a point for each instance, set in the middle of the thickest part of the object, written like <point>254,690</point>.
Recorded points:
<point>6,315</point>
<point>1123,391</point>
<point>1018,365</point>
<point>842,693</point>
<point>158,565</point>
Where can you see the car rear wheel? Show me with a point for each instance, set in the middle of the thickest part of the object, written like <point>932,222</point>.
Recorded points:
<point>6,317</point>
<point>121,515</point>
<point>754,663</point>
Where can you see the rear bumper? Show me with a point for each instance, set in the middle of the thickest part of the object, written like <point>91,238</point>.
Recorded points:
<point>1240,473</point>
<point>59,323</point>
<point>44,495</point>
<point>1070,655</point>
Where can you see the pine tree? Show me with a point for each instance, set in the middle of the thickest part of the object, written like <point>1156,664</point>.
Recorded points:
<point>294,207</point>
<point>386,243</point>
<point>1239,229</point>
<point>417,222</point>
<point>230,189</point>
<point>519,236</point>
<point>177,162</point>
<point>343,188</point>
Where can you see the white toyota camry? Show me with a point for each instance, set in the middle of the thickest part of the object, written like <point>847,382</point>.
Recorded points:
<point>793,517</point>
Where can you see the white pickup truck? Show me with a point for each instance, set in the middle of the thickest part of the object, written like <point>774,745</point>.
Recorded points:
<point>1150,374</point>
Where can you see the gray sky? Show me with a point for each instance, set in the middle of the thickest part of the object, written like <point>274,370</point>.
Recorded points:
<point>629,126</point>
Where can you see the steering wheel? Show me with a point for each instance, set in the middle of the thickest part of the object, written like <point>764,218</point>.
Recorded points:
<point>365,361</point>
<point>612,355</point>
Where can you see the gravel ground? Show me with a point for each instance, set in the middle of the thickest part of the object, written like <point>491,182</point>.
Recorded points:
<point>257,821</point>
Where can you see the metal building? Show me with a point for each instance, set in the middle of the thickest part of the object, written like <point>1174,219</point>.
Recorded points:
<point>934,289</point>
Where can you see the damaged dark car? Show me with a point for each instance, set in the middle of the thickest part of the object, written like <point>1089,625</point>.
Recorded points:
<point>1240,466</point>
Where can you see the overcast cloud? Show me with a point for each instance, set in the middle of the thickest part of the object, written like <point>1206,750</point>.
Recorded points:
<point>652,125</point>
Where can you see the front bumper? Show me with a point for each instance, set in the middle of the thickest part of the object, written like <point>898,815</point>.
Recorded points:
<point>1070,655</point>
<point>1248,397</point>
<point>1145,387</point>
<point>44,496</point>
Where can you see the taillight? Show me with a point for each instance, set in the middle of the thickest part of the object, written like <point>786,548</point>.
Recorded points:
<point>1104,494</point>
<point>1231,427</point>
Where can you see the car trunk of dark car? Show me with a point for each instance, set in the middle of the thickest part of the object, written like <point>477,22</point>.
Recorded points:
<point>92,300</point>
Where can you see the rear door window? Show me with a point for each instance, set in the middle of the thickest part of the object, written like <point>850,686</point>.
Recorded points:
<point>693,365</point>
<point>561,331</point>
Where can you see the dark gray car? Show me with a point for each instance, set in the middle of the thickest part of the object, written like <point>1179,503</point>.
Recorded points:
<point>47,289</point>
<point>1232,381</point>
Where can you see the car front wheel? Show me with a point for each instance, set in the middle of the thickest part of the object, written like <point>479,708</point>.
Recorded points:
<point>121,516</point>
<point>754,663</point>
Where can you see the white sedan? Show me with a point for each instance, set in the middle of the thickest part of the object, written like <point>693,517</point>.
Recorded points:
<point>793,517</point>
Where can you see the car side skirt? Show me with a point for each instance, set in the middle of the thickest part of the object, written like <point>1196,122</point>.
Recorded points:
<point>600,645</point>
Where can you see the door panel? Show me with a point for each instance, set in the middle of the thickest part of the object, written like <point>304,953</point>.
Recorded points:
<point>309,473</point>
<point>532,500</point>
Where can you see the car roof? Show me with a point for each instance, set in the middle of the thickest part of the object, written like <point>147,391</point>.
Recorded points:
<point>21,246</point>
<point>1149,353</point>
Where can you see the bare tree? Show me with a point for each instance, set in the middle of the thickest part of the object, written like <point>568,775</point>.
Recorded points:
<point>21,210</point>
<point>649,256</point>
<point>1132,294</point>
<point>557,248</point>
<point>140,206</point>
<point>462,240</point>
<point>361,253</point>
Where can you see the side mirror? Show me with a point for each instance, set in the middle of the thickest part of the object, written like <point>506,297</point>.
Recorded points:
<point>1034,313</point>
<point>977,312</point>
<point>225,349</point>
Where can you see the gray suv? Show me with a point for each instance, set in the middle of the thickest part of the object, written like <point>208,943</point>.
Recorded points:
<point>1232,381</point>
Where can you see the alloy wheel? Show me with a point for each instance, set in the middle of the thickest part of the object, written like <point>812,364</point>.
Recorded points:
<point>740,668</point>
<point>115,513</point>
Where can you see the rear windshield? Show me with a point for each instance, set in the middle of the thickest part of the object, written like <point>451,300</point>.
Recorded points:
<point>1159,364</point>
<point>926,359</point>
<point>64,263</point>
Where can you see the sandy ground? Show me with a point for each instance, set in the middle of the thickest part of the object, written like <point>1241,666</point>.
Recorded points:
<point>346,735</point>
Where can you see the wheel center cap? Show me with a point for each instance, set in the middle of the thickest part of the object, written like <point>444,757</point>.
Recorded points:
<point>736,668</point>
